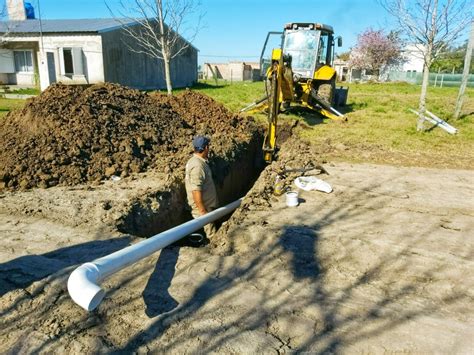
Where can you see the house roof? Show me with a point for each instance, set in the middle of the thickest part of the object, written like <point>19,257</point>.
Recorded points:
<point>62,26</point>
<point>98,25</point>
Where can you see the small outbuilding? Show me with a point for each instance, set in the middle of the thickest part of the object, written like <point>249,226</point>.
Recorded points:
<point>83,51</point>
<point>232,71</point>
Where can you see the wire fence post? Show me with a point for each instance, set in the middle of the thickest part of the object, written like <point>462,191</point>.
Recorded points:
<point>465,73</point>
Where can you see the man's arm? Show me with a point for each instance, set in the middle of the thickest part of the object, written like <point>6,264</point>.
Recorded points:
<point>197,197</point>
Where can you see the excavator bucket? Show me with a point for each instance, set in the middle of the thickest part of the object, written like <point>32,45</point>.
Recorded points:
<point>256,106</point>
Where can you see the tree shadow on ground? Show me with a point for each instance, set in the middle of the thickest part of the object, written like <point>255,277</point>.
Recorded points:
<point>216,315</point>
<point>300,243</point>
<point>25,270</point>
<point>156,296</point>
<point>33,287</point>
<point>312,117</point>
<point>297,248</point>
<point>201,86</point>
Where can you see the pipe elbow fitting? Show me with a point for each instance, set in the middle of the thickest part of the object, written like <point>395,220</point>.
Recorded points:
<point>83,288</point>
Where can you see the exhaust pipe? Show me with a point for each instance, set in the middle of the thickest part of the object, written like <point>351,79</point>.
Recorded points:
<point>83,283</point>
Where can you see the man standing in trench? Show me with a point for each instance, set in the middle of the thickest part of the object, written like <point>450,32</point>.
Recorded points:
<point>200,188</point>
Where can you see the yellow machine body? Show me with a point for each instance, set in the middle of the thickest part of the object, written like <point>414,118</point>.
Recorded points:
<point>299,72</point>
<point>324,73</point>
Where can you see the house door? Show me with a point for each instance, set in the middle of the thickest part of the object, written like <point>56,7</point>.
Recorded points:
<point>51,67</point>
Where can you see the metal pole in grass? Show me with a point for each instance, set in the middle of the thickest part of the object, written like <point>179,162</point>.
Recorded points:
<point>41,33</point>
<point>465,73</point>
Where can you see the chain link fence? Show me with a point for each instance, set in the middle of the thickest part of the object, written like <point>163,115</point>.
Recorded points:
<point>436,79</point>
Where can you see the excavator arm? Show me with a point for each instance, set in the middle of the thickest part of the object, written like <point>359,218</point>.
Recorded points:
<point>298,71</point>
<point>279,89</point>
<point>273,105</point>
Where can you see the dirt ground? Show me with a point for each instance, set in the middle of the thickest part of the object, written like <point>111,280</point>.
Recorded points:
<point>383,264</point>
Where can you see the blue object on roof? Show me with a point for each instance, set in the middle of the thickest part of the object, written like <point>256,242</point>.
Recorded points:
<point>30,11</point>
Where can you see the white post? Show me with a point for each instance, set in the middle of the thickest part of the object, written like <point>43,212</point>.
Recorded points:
<point>465,73</point>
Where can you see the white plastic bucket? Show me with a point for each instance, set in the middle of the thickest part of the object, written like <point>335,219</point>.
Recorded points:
<point>292,198</point>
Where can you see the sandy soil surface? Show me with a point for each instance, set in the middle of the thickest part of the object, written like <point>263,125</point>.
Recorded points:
<point>381,265</point>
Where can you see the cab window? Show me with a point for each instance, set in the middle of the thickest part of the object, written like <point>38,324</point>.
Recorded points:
<point>323,57</point>
<point>301,46</point>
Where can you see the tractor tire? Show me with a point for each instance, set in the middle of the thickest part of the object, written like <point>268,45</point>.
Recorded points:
<point>327,90</point>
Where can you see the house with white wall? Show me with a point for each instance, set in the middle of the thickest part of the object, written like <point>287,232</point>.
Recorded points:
<point>82,51</point>
<point>412,62</point>
<point>342,69</point>
<point>413,58</point>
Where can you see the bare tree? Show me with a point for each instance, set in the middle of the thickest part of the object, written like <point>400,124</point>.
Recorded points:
<point>465,73</point>
<point>5,27</point>
<point>160,28</point>
<point>430,25</point>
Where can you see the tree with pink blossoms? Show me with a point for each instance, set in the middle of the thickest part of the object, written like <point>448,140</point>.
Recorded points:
<point>375,50</point>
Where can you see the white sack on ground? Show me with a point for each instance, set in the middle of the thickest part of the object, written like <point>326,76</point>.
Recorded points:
<point>309,183</point>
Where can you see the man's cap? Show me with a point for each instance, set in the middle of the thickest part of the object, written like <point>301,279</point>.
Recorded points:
<point>200,142</point>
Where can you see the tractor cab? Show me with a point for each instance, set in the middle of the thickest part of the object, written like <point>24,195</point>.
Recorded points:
<point>307,46</point>
<point>298,69</point>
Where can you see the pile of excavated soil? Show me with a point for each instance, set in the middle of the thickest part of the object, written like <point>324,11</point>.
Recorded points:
<point>71,134</point>
<point>230,133</point>
<point>194,108</point>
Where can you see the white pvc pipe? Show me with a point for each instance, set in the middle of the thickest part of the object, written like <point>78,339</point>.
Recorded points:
<point>83,282</point>
<point>436,121</point>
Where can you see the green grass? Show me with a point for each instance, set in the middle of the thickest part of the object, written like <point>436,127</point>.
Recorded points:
<point>234,96</point>
<point>380,129</point>
<point>7,105</point>
<point>26,91</point>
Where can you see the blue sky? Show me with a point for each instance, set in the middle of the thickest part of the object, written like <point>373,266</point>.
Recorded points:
<point>236,29</point>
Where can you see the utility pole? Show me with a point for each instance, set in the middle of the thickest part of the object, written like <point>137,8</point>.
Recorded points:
<point>465,73</point>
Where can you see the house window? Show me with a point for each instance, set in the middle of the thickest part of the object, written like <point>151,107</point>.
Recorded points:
<point>68,62</point>
<point>23,61</point>
<point>371,72</point>
<point>72,62</point>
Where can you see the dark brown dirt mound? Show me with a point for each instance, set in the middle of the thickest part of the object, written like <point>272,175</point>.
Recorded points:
<point>208,117</point>
<point>229,132</point>
<point>72,134</point>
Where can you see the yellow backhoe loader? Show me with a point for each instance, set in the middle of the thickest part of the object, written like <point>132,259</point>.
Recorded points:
<point>299,71</point>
